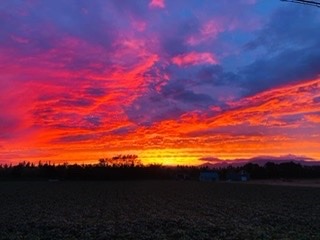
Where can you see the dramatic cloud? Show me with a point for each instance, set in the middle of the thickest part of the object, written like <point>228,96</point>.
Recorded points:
<point>170,81</point>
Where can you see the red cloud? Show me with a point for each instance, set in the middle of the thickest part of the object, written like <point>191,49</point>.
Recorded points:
<point>194,58</point>
<point>157,4</point>
<point>315,118</point>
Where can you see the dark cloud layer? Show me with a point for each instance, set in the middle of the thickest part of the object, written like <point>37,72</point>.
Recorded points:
<point>290,47</point>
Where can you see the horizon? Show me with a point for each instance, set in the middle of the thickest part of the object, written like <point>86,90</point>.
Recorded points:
<point>172,82</point>
<point>205,161</point>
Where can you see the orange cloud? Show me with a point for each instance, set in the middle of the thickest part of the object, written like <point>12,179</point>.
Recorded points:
<point>194,58</point>
<point>278,121</point>
<point>67,109</point>
<point>265,108</point>
<point>256,125</point>
<point>315,118</point>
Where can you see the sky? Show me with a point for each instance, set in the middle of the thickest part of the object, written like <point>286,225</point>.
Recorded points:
<point>173,81</point>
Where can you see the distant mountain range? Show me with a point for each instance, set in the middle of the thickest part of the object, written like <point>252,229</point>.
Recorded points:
<point>260,160</point>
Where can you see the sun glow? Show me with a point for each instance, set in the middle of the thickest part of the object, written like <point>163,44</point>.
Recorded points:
<point>170,157</point>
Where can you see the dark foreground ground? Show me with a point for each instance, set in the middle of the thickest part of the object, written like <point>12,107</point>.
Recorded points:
<point>157,210</point>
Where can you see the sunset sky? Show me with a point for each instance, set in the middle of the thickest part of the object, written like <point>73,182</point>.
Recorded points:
<point>173,81</point>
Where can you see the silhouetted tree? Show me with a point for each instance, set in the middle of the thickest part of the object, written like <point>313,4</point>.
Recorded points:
<point>129,167</point>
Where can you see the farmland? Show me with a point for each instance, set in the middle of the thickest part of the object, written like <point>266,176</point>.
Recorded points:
<point>157,210</point>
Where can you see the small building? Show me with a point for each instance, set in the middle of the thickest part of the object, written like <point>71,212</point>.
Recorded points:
<point>241,176</point>
<point>209,176</point>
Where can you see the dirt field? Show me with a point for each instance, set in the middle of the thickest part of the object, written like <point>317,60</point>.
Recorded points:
<point>157,210</point>
<point>291,182</point>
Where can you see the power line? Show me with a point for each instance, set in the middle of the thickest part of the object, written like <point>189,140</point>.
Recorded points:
<point>304,2</point>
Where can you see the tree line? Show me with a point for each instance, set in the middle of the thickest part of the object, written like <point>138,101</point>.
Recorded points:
<point>129,167</point>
